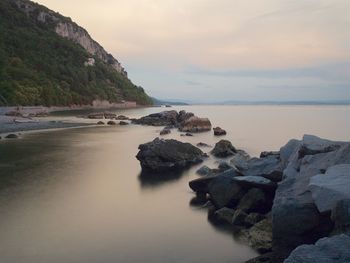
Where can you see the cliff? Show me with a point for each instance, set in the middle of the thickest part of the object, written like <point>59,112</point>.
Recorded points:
<point>47,59</point>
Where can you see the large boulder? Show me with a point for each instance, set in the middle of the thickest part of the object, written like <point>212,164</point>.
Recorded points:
<point>296,218</point>
<point>330,188</point>
<point>341,217</point>
<point>201,185</point>
<point>260,235</point>
<point>161,155</point>
<point>268,167</point>
<point>240,160</point>
<point>254,201</point>
<point>256,181</point>
<point>223,148</point>
<point>183,116</point>
<point>219,131</point>
<point>326,250</point>
<point>163,118</point>
<point>195,124</point>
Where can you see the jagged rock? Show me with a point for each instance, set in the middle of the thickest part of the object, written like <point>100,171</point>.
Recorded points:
<point>253,218</point>
<point>201,185</point>
<point>256,181</point>
<point>218,131</point>
<point>223,189</point>
<point>202,144</point>
<point>100,123</point>
<point>111,123</point>
<point>161,155</point>
<point>164,131</point>
<point>268,167</point>
<point>183,116</point>
<point>224,214</point>
<point>123,123</point>
<point>265,258</point>
<point>98,115</point>
<point>330,188</point>
<point>223,166</point>
<point>240,160</point>
<point>260,236</point>
<point>163,118</point>
<point>122,118</point>
<point>223,148</point>
<point>11,136</point>
<point>269,153</point>
<point>326,250</point>
<point>188,134</point>
<point>296,219</point>
<point>195,124</point>
<point>254,201</point>
<point>239,217</point>
<point>109,115</point>
<point>204,171</point>
<point>341,217</point>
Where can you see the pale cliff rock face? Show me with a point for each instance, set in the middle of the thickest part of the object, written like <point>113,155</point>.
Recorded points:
<point>68,29</point>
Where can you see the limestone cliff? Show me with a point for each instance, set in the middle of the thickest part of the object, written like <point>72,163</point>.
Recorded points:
<point>65,27</point>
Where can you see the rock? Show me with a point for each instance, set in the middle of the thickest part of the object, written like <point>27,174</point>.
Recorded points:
<point>11,136</point>
<point>123,123</point>
<point>164,131</point>
<point>109,115</point>
<point>260,236</point>
<point>98,115</point>
<point>122,117</point>
<point>254,201</point>
<point>341,217</point>
<point>188,134</point>
<point>204,171</point>
<point>223,166</point>
<point>224,215</point>
<point>218,131</point>
<point>162,155</point>
<point>326,250</point>
<point>296,219</point>
<point>202,144</point>
<point>223,148</point>
<point>183,116</point>
<point>163,118</point>
<point>111,123</point>
<point>100,123</point>
<point>239,217</point>
<point>268,167</point>
<point>256,181</point>
<point>330,188</point>
<point>240,160</point>
<point>201,185</point>
<point>223,189</point>
<point>269,153</point>
<point>195,124</point>
<point>253,218</point>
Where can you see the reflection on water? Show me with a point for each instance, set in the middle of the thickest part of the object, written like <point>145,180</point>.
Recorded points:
<point>78,195</point>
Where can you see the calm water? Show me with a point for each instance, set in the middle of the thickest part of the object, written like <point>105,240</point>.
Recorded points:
<point>76,195</point>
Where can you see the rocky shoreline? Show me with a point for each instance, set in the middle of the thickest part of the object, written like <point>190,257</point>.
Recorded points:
<point>291,205</point>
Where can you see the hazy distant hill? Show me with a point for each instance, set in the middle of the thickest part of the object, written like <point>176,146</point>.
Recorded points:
<point>167,102</point>
<point>46,59</point>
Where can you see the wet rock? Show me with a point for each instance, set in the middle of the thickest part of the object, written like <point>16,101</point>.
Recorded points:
<point>100,123</point>
<point>269,153</point>
<point>265,258</point>
<point>240,160</point>
<point>109,115</point>
<point>253,218</point>
<point>165,131</point>
<point>239,217</point>
<point>219,132</point>
<point>223,166</point>
<point>341,217</point>
<point>98,115</point>
<point>326,250</point>
<point>260,236</point>
<point>111,123</point>
<point>256,181</point>
<point>224,215</point>
<point>204,171</point>
<point>195,124</point>
<point>223,148</point>
<point>122,118</point>
<point>161,155</point>
<point>254,201</point>
<point>330,188</point>
<point>11,136</point>
<point>201,185</point>
<point>123,123</point>
<point>163,118</point>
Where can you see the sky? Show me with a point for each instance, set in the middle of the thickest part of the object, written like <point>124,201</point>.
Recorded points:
<point>222,50</point>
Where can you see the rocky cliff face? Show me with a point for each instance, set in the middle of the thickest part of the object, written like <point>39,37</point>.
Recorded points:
<point>64,27</point>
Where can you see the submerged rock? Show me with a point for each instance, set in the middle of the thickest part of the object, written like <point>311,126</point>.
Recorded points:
<point>326,250</point>
<point>123,123</point>
<point>163,118</point>
<point>165,131</point>
<point>161,155</point>
<point>111,123</point>
<point>122,117</point>
<point>100,123</point>
<point>11,136</point>
<point>202,144</point>
<point>223,148</point>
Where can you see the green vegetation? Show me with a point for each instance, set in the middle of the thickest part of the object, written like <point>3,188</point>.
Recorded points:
<point>38,67</point>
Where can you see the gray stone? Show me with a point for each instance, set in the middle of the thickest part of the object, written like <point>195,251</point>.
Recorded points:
<point>219,132</point>
<point>162,155</point>
<point>268,167</point>
<point>253,218</point>
<point>223,148</point>
<point>224,214</point>
<point>165,131</point>
<point>254,201</point>
<point>260,236</point>
<point>329,188</point>
<point>204,171</point>
<point>201,185</point>
<point>239,217</point>
<point>240,160</point>
<point>256,181</point>
<point>326,250</point>
<point>341,217</point>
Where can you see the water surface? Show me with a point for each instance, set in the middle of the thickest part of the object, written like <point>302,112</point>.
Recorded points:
<point>76,195</point>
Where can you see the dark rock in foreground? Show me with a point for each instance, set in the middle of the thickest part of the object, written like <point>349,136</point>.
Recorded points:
<point>162,155</point>
<point>334,249</point>
<point>223,148</point>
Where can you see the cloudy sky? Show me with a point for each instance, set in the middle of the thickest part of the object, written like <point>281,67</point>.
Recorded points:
<point>206,50</point>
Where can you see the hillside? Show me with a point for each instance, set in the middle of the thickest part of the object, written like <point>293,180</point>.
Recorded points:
<point>46,59</point>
